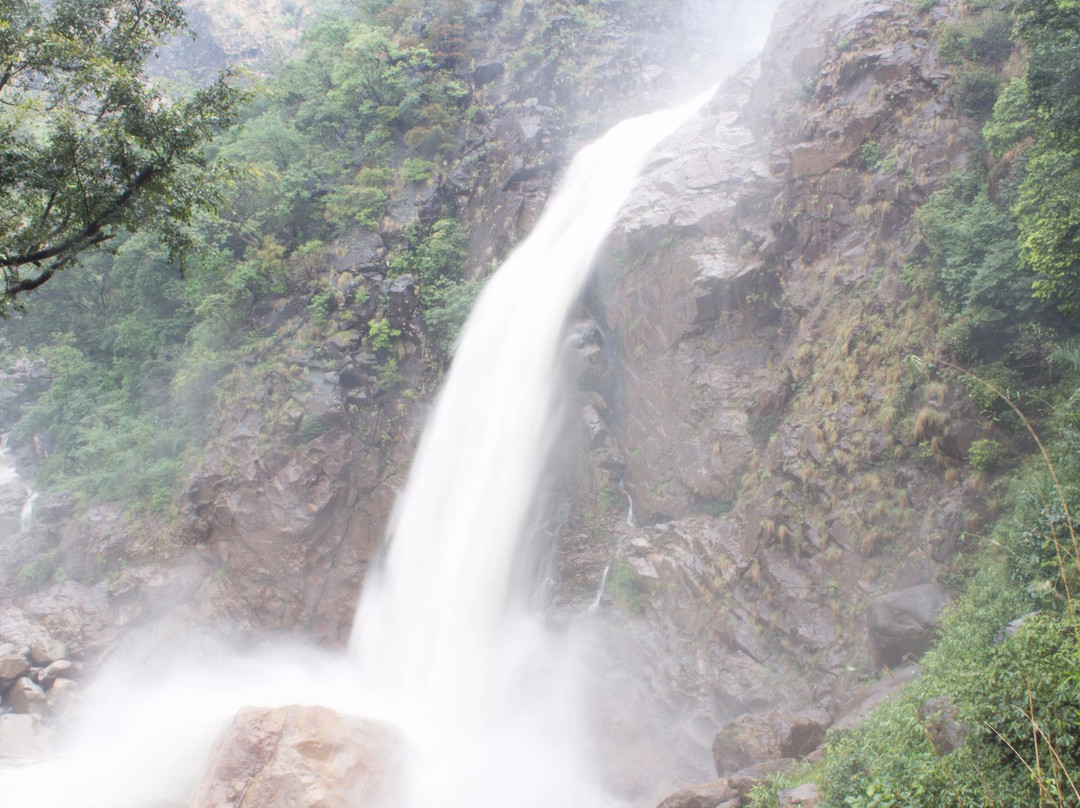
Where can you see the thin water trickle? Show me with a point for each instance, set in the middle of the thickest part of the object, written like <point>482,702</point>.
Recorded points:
<point>9,475</point>
<point>26,515</point>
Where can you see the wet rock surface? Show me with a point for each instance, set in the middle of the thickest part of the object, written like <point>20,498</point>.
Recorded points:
<point>300,757</point>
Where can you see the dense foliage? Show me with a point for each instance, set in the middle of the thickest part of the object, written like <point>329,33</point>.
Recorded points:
<point>349,141</point>
<point>89,147</point>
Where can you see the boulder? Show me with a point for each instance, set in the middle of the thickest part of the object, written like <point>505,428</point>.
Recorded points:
<point>401,301</point>
<point>63,694</point>
<point>58,669</point>
<point>903,624</point>
<point>804,796</point>
<point>45,650</point>
<point>767,736</point>
<point>26,697</point>
<point>938,717</point>
<point>13,662</point>
<point>299,757</point>
<point>706,795</point>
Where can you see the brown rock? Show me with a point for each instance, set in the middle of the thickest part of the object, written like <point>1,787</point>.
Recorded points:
<point>13,663</point>
<point>58,669</point>
<point>63,694</point>
<point>299,757</point>
<point>706,795</point>
<point>26,697</point>
<point>45,650</point>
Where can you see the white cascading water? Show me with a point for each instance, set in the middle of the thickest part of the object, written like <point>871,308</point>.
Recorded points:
<point>9,475</point>
<point>441,634</point>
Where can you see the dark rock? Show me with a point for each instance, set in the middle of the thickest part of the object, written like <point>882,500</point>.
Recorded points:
<point>401,302</point>
<point>938,717</point>
<point>903,624</point>
<point>598,430</point>
<point>767,736</point>
<point>488,72</point>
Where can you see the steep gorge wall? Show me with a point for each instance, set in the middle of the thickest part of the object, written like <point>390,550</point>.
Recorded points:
<point>799,490</point>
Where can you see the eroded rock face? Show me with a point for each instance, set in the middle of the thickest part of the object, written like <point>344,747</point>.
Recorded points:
<point>300,757</point>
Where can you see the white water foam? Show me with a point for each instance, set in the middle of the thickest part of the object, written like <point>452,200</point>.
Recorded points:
<point>8,474</point>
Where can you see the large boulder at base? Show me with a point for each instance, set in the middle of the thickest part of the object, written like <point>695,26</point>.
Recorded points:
<point>903,624</point>
<point>300,757</point>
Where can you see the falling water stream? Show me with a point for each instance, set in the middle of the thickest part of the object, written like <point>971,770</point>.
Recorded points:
<point>9,476</point>
<point>445,646</point>
<point>442,631</point>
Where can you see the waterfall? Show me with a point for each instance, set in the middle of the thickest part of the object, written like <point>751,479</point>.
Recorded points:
<point>9,476</point>
<point>445,647</point>
<point>442,632</point>
<point>26,515</point>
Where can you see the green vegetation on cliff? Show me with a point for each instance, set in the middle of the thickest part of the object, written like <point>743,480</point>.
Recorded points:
<point>995,717</point>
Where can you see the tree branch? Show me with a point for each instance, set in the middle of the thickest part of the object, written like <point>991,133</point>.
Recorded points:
<point>91,234</point>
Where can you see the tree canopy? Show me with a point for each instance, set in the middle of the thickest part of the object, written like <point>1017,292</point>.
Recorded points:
<point>89,145</point>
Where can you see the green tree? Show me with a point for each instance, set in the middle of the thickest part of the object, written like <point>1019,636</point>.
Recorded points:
<point>89,146</point>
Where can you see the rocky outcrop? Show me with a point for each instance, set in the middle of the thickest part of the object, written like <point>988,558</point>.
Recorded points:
<point>300,757</point>
<point>903,624</point>
<point>755,737</point>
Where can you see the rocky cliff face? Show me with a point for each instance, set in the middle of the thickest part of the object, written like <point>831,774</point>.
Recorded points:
<point>799,490</point>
